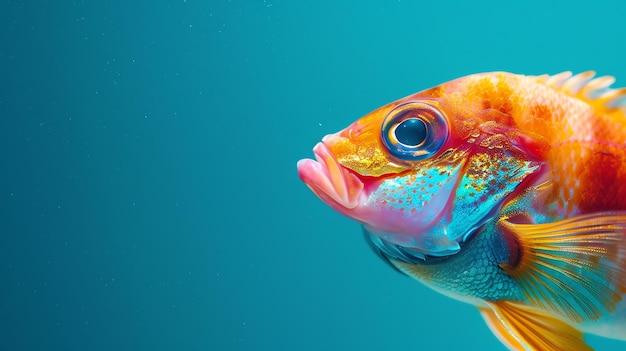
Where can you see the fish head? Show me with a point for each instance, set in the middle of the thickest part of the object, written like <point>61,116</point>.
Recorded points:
<point>426,171</point>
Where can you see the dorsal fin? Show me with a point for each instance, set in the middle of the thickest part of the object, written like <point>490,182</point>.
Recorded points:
<point>586,86</point>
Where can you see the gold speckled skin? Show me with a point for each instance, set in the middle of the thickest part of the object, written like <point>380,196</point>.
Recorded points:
<point>557,120</point>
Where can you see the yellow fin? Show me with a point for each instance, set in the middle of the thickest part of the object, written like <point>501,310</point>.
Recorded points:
<point>584,86</point>
<point>574,268</point>
<point>522,327</point>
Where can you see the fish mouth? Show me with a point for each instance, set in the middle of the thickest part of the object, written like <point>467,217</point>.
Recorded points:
<point>334,184</point>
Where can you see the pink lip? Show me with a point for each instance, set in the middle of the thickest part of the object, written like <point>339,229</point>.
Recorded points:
<point>329,180</point>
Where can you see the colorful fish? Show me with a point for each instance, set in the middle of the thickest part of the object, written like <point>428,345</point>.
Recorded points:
<point>504,191</point>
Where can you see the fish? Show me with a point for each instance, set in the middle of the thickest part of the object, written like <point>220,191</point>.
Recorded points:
<point>501,190</point>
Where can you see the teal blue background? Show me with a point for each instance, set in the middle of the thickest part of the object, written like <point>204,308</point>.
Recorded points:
<point>148,186</point>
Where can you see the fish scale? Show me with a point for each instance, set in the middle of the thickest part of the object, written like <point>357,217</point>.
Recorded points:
<point>474,275</point>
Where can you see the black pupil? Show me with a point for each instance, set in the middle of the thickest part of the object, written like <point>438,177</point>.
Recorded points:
<point>411,132</point>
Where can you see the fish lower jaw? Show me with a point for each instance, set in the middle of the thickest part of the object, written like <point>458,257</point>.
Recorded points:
<point>337,186</point>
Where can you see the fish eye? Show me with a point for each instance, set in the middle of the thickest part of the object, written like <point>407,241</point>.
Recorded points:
<point>414,131</point>
<point>411,132</point>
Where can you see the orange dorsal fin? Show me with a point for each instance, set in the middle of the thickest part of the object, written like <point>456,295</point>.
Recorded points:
<point>587,87</point>
<point>521,327</point>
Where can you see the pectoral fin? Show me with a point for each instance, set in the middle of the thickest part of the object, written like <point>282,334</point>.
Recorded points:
<point>574,268</point>
<point>521,327</point>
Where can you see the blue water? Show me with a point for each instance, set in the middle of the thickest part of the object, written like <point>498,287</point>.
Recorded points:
<point>148,188</point>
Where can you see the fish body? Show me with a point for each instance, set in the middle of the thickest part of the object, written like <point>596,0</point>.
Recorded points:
<point>504,191</point>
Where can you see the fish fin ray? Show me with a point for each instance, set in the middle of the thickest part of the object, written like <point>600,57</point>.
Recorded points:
<point>499,329</point>
<point>522,327</point>
<point>587,87</point>
<point>575,268</point>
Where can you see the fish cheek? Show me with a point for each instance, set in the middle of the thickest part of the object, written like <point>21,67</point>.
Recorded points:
<point>412,203</point>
